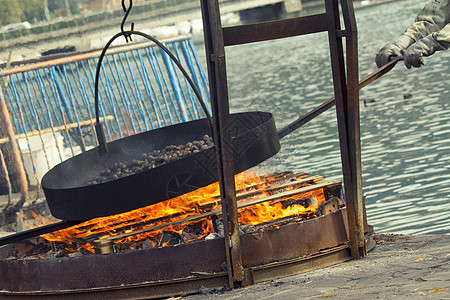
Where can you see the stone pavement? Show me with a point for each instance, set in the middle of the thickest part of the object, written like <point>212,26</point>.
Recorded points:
<point>399,267</point>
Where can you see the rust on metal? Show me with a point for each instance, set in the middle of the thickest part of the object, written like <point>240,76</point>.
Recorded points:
<point>353,121</point>
<point>347,110</point>
<point>292,241</point>
<point>158,272</point>
<point>82,56</point>
<point>214,47</point>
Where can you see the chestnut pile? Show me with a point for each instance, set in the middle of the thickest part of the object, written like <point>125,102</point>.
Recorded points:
<point>152,160</point>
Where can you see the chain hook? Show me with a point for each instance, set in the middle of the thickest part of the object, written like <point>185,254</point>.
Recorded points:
<point>127,11</point>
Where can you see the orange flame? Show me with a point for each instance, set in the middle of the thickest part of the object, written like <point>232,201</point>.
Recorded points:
<point>269,211</point>
<point>181,207</point>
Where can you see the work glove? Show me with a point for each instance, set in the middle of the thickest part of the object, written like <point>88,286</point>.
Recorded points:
<point>396,48</point>
<point>425,47</point>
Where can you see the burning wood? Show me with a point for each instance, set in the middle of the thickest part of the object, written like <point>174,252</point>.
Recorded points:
<point>32,247</point>
<point>170,238</point>
<point>263,202</point>
<point>329,206</point>
<point>269,189</point>
<point>273,223</point>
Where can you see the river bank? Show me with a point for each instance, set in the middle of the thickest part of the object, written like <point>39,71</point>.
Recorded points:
<point>93,35</point>
<point>400,266</point>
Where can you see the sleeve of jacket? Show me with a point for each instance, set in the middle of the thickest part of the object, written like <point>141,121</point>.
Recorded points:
<point>434,17</point>
<point>443,35</point>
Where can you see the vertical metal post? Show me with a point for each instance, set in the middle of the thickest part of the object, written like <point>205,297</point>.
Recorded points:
<point>353,119</point>
<point>347,109</point>
<point>215,57</point>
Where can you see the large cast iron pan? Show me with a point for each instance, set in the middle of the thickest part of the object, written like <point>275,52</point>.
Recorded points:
<point>69,197</point>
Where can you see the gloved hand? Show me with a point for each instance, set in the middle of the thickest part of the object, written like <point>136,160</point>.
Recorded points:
<point>396,48</point>
<point>424,47</point>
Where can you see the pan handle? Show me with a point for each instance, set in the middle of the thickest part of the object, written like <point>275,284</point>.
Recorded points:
<point>330,103</point>
<point>98,127</point>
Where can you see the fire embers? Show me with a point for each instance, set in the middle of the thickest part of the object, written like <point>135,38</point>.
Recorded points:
<point>169,237</point>
<point>264,202</point>
<point>277,213</point>
<point>152,160</point>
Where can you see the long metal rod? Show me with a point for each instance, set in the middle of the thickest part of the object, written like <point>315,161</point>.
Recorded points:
<point>330,103</point>
<point>13,144</point>
<point>28,234</point>
<point>215,54</point>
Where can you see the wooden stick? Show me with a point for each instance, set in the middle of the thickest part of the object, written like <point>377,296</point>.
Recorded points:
<point>322,184</point>
<point>12,141</point>
<point>241,195</point>
<point>314,179</point>
<point>271,180</point>
<point>55,129</point>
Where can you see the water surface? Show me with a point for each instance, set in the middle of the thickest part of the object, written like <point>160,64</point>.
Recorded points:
<point>405,142</point>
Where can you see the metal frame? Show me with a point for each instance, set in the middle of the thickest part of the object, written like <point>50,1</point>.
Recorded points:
<point>215,53</point>
<point>346,89</point>
<point>162,272</point>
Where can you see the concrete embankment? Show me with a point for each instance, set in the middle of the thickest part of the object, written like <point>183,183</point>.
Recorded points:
<point>400,267</point>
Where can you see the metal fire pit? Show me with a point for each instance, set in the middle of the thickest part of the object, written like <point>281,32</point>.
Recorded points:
<point>172,270</point>
<point>251,257</point>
